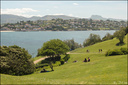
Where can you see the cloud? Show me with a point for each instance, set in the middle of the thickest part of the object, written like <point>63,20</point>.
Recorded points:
<point>47,9</point>
<point>18,11</point>
<point>28,15</point>
<point>75,4</point>
<point>56,7</point>
<point>58,14</point>
<point>70,15</point>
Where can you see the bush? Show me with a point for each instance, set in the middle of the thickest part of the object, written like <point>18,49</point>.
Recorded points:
<point>15,61</point>
<point>44,61</point>
<point>66,57</point>
<point>40,66</point>
<point>62,61</point>
<point>58,63</point>
<point>114,52</point>
<point>124,50</point>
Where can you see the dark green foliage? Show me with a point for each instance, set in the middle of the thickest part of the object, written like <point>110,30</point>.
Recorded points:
<point>114,52</point>
<point>15,61</point>
<point>93,38</point>
<point>57,58</point>
<point>72,44</point>
<point>57,61</point>
<point>40,65</point>
<point>62,61</point>
<point>124,50</point>
<point>66,57</point>
<point>125,29</point>
<point>108,36</point>
<point>120,35</point>
<point>121,51</point>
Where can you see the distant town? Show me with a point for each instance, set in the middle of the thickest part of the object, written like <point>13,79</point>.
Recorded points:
<point>64,25</point>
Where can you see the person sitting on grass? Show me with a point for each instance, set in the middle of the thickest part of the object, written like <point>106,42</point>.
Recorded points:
<point>75,61</point>
<point>85,60</point>
<point>88,59</point>
<point>87,51</point>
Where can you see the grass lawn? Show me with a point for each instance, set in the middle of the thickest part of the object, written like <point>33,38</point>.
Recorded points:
<point>100,70</point>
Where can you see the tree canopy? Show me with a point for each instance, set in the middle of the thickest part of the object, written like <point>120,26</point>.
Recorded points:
<point>53,47</point>
<point>108,36</point>
<point>93,38</point>
<point>72,44</point>
<point>120,35</point>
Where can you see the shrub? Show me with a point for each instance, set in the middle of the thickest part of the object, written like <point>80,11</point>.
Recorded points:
<point>114,52</point>
<point>62,61</point>
<point>15,61</point>
<point>66,57</point>
<point>40,66</point>
<point>58,63</point>
<point>44,61</point>
<point>124,50</point>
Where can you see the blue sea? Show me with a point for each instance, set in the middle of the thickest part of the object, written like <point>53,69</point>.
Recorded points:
<point>32,41</point>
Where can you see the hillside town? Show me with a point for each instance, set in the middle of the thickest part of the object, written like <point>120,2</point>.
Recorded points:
<point>64,25</point>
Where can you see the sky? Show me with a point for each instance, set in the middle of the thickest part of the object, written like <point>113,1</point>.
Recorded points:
<point>81,9</point>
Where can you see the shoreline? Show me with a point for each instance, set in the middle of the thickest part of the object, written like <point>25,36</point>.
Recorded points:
<point>7,31</point>
<point>51,30</point>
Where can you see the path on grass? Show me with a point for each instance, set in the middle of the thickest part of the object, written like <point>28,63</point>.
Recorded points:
<point>86,53</point>
<point>36,61</point>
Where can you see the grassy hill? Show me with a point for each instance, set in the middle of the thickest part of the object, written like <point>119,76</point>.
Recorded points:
<point>101,69</point>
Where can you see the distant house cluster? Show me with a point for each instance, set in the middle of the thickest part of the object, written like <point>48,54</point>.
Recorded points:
<point>64,25</point>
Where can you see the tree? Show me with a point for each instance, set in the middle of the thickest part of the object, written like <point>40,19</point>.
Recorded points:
<point>120,35</point>
<point>93,38</point>
<point>72,44</point>
<point>15,61</point>
<point>53,47</point>
<point>125,29</point>
<point>108,36</point>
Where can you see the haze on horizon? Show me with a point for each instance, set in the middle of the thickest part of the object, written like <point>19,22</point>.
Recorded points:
<point>81,9</point>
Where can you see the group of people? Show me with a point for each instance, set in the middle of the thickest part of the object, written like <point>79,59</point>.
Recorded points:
<point>100,50</point>
<point>85,60</point>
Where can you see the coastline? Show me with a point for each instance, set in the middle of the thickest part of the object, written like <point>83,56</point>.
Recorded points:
<point>51,30</point>
<point>7,31</point>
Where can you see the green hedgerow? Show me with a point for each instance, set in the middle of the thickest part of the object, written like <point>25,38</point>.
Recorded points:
<point>114,52</point>
<point>124,50</point>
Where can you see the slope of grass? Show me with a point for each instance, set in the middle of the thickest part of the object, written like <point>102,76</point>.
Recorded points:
<point>105,46</point>
<point>101,69</point>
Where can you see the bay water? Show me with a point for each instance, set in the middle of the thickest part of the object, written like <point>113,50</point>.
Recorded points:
<point>32,41</point>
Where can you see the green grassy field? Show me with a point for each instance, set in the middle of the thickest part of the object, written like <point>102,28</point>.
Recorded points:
<point>101,69</point>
